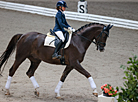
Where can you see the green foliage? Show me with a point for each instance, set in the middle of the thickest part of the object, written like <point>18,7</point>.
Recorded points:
<point>130,91</point>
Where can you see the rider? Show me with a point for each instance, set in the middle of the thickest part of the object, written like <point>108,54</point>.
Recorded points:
<point>60,24</point>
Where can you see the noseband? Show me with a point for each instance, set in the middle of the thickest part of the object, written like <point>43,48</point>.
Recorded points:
<point>100,35</point>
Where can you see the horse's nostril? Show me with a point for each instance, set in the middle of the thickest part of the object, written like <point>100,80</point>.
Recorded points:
<point>101,49</point>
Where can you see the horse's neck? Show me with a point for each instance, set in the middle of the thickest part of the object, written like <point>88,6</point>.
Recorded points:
<point>80,43</point>
<point>88,32</point>
<point>86,40</point>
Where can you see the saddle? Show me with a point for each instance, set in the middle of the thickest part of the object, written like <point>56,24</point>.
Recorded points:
<point>52,40</point>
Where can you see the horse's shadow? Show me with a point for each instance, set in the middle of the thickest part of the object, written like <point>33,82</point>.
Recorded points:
<point>68,98</point>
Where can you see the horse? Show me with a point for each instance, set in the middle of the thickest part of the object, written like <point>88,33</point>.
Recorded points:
<point>31,46</point>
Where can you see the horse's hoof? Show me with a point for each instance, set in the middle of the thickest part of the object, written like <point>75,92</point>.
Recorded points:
<point>36,93</point>
<point>95,94</point>
<point>7,92</point>
<point>58,96</point>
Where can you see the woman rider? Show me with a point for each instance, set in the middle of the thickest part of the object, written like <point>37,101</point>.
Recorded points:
<point>60,24</point>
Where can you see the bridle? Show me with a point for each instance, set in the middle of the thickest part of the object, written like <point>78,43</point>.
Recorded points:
<point>100,35</point>
<point>98,43</point>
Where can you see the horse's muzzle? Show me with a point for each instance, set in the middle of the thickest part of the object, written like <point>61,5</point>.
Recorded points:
<point>100,48</point>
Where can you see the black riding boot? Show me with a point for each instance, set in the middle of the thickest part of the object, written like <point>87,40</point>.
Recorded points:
<point>55,55</point>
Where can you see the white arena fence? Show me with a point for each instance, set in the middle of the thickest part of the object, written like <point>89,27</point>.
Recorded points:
<point>118,22</point>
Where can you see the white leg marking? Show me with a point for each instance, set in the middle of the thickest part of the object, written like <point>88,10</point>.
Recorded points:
<point>92,83</point>
<point>93,86</point>
<point>34,82</point>
<point>57,89</point>
<point>7,86</point>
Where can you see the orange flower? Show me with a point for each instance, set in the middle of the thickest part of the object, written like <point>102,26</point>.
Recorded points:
<point>110,87</point>
<point>105,85</point>
<point>110,94</point>
<point>115,91</point>
<point>106,90</point>
<point>102,87</point>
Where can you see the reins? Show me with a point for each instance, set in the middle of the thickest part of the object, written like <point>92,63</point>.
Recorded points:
<point>86,38</point>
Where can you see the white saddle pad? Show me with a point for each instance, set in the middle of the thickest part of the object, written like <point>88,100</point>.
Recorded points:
<point>49,40</point>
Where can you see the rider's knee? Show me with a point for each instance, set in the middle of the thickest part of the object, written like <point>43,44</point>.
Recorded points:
<point>63,39</point>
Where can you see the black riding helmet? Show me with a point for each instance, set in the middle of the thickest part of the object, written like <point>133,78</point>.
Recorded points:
<point>62,4</point>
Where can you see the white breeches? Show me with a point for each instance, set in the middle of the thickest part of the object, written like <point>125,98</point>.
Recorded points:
<point>60,35</point>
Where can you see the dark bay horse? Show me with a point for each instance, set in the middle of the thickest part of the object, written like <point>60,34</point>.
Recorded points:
<point>31,46</point>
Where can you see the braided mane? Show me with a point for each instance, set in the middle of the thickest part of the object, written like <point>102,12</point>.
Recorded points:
<point>88,25</point>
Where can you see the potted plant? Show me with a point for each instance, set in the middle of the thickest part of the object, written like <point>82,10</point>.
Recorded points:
<point>108,90</point>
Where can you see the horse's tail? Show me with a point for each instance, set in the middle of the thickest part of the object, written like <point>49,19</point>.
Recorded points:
<point>9,50</point>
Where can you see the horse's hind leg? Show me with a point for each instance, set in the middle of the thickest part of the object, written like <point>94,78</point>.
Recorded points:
<point>30,73</point>
<point>12,70</point>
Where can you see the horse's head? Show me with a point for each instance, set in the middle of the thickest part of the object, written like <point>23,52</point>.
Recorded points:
<point>102,37</point>
<point>96,31</point>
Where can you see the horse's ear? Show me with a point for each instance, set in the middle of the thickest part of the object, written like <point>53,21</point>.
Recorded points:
<point>110,27</point>
<point>107,27</point>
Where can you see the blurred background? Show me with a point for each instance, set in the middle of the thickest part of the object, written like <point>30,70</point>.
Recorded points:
<point>126,9</point>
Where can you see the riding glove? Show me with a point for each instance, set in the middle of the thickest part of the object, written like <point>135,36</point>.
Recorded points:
<point>71,29</point>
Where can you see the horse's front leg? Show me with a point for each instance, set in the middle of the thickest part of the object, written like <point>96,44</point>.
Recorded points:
<point>7,86</point>
<point>80,69</point>
<point>62,79</point>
